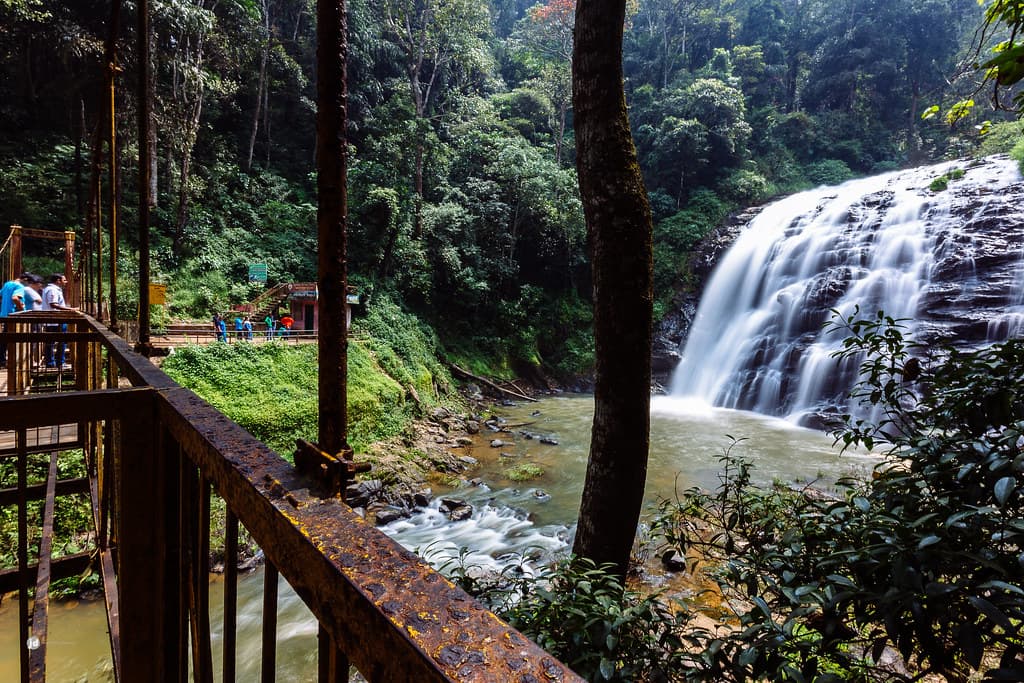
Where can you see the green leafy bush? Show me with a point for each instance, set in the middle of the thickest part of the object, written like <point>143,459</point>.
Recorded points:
<point>924,558</point>
<point>582,614</point>
<point>828,172</point>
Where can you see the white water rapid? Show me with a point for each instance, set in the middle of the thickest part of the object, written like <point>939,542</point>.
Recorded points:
<point>950,261</point>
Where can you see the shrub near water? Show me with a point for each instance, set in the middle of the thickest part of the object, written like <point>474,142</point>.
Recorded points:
<point>271,390</point>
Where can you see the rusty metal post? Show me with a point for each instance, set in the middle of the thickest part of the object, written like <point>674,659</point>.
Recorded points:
<point>147,550</point>
<point>112,70</point>
<point>332,48</point>
<point>144,106</point>
<point>70,293</point>
<point>15,251</point>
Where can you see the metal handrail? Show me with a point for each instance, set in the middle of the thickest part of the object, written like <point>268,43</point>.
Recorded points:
<point>155,452</point>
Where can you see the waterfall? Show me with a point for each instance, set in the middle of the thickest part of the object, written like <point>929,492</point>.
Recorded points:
<point>949,261</point>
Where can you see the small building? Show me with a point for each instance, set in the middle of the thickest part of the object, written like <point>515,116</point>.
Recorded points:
<point>303,305</point>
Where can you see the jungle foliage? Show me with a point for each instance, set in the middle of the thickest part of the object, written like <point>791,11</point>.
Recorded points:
<point>463,200</point>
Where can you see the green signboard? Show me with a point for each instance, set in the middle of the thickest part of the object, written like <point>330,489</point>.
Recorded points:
<point>257,272</point>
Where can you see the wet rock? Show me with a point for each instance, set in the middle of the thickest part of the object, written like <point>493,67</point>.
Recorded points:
<point>455,509</point>
<point>673,561</point>
<point>472,427</point>
<point>389,514</point>
<point>497,443</point>
<point>535,413</point>
<point>463,441</point>
<point>506,454</point>
<point>541,496</point>
<point>476,481</point>
<point>362,493</point>
<point>422,498</point>
<point>550,441</point>
<point>529,436</point>
<point>468,460</point>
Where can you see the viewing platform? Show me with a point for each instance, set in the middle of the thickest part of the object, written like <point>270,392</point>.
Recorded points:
<point>157,461</point>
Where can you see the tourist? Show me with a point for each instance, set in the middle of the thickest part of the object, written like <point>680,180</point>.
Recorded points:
<point>247,326</point>
<point>53,300</point>
<point>286,325</point>
<point>12,300</point>
<point>239,328</point>
<point>220,327</point>
<point>33,293</point>
<point>269,322</point>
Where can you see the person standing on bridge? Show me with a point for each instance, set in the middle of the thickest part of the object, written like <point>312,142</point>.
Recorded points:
<point>53,300</point>
<point>269,321</point>
<point>12,300</point>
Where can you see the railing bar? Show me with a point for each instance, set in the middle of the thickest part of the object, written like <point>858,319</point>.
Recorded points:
<point>61,568</point>
<point>77,442</point>
<point>332,662</point>
<point>22,438</point>
<point>184,564</point>
<point>268,670</point>
<point>40,613</point>
<point>106,562</point>
<point>190,511</point>
<point>113,609</point>
<point>103,461</point>
<point>202,583</point>
<point>230,594</point>
<point>65,487</point>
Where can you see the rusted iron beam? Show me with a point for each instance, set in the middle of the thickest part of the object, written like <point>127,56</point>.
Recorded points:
<point>230,596</point>
<point>330,472</point>
<point>38,410</point>
<point>60,568</point>
<point>65,487</point>
<point>41,599</point>
<point>142,560</point>
<point>268,664</point>
<point>23,632</point>
<point>332,663</point>
<point>397,618</point>
<point>143,101</point>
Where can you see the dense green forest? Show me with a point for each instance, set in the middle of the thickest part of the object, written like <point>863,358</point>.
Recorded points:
<point>463,197</point>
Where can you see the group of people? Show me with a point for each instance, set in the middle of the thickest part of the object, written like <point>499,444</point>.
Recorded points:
<point>280,327</point>
<point>27,293</point>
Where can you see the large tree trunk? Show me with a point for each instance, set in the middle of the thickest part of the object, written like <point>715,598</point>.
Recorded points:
<point>619,230</point>
<point>332,209</point>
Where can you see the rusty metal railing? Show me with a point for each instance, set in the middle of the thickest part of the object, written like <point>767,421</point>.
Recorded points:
<point>156,456</point>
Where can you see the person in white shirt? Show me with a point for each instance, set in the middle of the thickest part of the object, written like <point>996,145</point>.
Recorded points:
<point>53,300</point>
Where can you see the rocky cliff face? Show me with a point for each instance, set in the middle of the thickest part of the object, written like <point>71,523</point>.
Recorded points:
<point>951,261</point>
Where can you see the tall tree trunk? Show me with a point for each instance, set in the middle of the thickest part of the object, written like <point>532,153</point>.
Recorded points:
<point>618,221</point>
<point>144,98</point>
<point>260,85</point>
<point>332,48</point>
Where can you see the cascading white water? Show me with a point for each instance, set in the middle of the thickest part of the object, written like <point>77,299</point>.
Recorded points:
<point>759,340</point>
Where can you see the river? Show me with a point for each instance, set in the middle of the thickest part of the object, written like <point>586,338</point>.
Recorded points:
<point>687,438</point>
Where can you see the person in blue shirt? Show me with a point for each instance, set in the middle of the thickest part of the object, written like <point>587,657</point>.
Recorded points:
<point>247,326</point>
<point>220,327</point>
<point>12,300</point>
<point>239,327</point>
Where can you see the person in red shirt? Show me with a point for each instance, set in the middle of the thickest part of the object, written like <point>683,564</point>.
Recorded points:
<point>286,325</point>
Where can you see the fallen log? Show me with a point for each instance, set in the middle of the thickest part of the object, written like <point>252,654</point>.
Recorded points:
<point>469,375</point>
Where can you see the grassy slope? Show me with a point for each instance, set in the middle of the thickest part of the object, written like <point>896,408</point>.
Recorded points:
<point>271,389</point>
